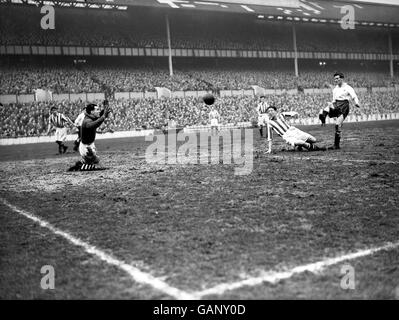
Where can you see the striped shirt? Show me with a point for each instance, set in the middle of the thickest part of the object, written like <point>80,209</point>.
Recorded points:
<point>58,120</point>
<point>262,107</point>
<point>277,124</point>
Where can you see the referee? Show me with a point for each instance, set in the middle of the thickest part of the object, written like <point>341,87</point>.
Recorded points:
<point>342,94</point>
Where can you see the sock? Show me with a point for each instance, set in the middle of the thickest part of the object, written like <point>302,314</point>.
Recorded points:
<point>337,137</point>
<point>59,146</point>
<point>308,146</point>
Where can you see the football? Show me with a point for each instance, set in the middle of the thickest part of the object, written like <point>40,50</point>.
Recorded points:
<point>209,99</point>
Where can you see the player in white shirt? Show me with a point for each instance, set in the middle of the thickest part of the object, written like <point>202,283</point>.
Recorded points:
<point>78,123</point>
<point>262,113</point>
<point>339,109</point>
<point>214,119</point>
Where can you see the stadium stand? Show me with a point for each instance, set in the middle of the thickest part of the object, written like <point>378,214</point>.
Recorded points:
<point>138,28</point>
<point>17,120</point>
<point>22,80</point>
<point>145,28</point>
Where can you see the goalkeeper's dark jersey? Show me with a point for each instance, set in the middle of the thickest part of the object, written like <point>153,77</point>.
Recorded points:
<point>89,126</point>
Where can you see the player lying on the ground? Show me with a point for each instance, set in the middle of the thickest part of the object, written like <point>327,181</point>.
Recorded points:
<point>291,135</point>
<point>93,119</point>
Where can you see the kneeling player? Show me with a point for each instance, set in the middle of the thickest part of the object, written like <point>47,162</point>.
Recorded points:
<point>93,119</point>
<point>291,135</point>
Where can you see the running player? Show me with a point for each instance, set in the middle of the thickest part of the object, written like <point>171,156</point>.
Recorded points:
<point>339,109</point>
<point>262,113</point>
<point>291,135</point>
<point>58,121</point>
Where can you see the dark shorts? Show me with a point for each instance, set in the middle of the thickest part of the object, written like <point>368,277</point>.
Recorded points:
<point>341,107</point>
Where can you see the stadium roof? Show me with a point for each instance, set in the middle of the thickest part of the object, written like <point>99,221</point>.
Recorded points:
<point>312,9</point>
<point>367,12</point>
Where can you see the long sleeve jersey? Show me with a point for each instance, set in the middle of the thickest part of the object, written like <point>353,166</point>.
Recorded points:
<point>89,126</point>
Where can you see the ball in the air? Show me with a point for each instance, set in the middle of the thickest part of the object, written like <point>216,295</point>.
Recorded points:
<point>209,99</point>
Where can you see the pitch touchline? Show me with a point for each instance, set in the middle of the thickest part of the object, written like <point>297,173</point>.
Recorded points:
<point>274,277</point>
<point>145,278</point>
<point>137,275</point>
<point>335,159</point>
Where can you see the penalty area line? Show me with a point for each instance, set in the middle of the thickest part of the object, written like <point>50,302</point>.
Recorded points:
<point>275,277</point>
<point>136,274</point>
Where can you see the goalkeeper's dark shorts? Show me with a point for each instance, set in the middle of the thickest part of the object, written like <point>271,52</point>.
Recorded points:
<point>341,107</point>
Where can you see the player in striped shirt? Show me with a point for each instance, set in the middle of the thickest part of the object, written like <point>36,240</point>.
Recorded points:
<point>339,108</point>
<point>58,121</point>
<point>262,113</point>
<point>293,136</point>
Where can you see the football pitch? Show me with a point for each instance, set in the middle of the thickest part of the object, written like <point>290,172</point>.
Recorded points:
<point>287,230</point>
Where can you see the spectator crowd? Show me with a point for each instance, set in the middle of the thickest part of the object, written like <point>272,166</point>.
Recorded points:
<point>144,28</point>
<point>31,119</point>
<point>18,80</point>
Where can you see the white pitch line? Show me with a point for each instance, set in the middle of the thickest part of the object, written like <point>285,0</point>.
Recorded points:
<point>136,274</point>
<point>336,159</point>
<point>316,5</point>
<point>274,277</point>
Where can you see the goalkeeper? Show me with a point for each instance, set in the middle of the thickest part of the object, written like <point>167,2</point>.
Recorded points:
<point>93,119</point>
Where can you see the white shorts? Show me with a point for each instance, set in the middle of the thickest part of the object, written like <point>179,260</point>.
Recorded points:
<point>88,153</point>
<point>262,119</point>
<point>60,134</point>
<point>214,123</point>
<point>295,136</point>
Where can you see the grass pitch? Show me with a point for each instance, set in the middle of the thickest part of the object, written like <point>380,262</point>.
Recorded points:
<point>197,226</point>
